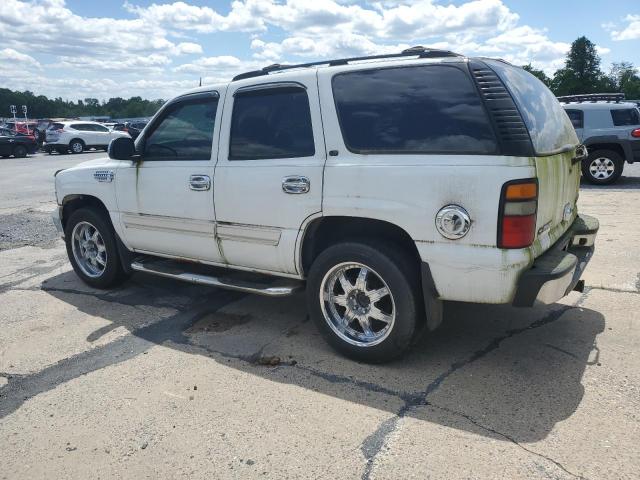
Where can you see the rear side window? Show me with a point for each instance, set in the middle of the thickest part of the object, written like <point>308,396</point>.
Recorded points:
<point>576,117</point>
<point>271,123</point>
<point>423,109</point>
<point>56,126</point>
<point>624,117</point>
<point>184,132</point>
<point>549,128</point>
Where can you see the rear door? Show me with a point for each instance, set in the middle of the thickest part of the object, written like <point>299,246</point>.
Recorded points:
<point>268,179</point>
<point>554,140</point>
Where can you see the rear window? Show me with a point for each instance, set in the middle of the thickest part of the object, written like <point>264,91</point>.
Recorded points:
<point>412,110</point>
<point>56,126</point>
<point>624,117</point>
<point>548,125</point>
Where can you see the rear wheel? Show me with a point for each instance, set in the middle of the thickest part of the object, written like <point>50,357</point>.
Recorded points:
<point>62,151</point>
<point>19,151</point>
<point>364,299</point>
<point>602,167</point>
<point>92,249</point>
<point>76,146</point>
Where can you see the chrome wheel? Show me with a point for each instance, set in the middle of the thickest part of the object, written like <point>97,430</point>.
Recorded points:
<point>357,304</point>
<point>602,168</point>
<point>88,249</point>
<point>76,147</point>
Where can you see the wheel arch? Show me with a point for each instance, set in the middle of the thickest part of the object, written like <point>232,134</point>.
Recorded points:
<point>622,148</point>
<point>325,231</point>
<point>73,202</point>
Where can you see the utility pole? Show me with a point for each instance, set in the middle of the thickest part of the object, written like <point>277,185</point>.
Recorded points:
<point>26,120</point>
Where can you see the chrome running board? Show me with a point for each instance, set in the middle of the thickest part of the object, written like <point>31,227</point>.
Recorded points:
<point>232,280</point>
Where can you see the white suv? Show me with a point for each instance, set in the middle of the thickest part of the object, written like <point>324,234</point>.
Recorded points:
<point>384,184</point>
<point>78,136</point>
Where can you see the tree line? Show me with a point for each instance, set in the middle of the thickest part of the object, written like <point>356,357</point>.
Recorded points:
<point>582,73</point>
<point>40,106</point>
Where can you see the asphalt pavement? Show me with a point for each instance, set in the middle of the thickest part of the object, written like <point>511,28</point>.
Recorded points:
<point>159,379</point>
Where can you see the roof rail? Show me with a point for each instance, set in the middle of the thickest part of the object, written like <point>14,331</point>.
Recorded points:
<point>593,97</point>
<point>419,51</point>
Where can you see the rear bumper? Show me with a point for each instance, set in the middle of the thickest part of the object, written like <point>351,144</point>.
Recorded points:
<point>556,272</point>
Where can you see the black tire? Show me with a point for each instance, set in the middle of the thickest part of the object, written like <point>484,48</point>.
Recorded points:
<point>604,158</point>
<point>19,151</point>
<point>401,275</point>
<point>113,273</point>
<point>76,146</point>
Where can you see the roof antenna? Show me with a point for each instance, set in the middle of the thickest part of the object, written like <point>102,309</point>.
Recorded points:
<point>200,82</point>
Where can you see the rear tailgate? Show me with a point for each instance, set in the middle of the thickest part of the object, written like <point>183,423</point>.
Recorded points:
<point>558,184</point>
<point>554,142</point>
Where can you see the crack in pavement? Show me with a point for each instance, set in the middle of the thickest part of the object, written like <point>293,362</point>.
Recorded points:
<point>505,436</point>
<point>375,442</point>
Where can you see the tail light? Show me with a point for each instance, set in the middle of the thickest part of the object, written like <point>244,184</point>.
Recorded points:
<point>635,133</point>
<point>517,215</point>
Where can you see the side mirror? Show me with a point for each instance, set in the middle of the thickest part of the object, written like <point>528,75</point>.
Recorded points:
<point>122,148</point>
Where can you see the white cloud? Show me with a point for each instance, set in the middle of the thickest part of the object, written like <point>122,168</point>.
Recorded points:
<point>9,57</point>
<point>153,51</point>
<point>631,30</point>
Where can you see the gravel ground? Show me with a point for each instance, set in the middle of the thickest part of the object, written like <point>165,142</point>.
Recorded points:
<point>170,380</point>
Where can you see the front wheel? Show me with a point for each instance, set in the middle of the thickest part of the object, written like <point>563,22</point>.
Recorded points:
<point>602,167</point>
<point>92,249</point>
<point>364,299</point>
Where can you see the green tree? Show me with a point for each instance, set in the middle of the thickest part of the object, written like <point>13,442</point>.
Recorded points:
<point>625,78</point>
<point>581,72</point>
<point>538,73</point>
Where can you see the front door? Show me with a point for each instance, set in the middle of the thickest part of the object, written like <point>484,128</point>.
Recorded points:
<point>165,199</point>
<point>268,179</point>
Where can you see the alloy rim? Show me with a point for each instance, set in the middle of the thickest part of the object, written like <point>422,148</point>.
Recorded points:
<point>602,168</point>
<point>357,304</point>
<point>89,249</point>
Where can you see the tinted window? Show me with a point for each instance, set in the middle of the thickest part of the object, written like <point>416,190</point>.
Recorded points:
<point>425,109</point>
<point>79,126</point>
<point>185,132</point>
<point>99,128</point>
<point>271,123</point>
<point>576,118</point>
<point>549,128</point>
<point>627,116</point>
<point>56,126</point>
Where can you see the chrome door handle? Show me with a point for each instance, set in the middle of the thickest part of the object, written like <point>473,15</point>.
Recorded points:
<point>199,183</point>
<point>296,184</point>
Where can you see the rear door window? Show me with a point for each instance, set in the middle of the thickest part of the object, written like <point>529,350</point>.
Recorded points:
<point>271,123</point>
<point>625,117</point>
<point>576,117</point>
<point>412,110</point>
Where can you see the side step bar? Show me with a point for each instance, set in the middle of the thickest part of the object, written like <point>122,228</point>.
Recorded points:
<point>280,287</point>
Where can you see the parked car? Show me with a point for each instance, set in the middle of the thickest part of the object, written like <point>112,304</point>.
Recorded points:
<point>77,136</point>
<point>385,187</point>
<point>134,128</point>
<point>610,128</point>
<point>15,144</point>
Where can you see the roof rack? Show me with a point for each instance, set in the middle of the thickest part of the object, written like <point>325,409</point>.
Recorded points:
<point>419,51</point>
<point>593,97</point>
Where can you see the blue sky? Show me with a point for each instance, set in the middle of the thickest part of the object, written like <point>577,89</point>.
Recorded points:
<point>156,49</point>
